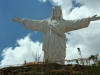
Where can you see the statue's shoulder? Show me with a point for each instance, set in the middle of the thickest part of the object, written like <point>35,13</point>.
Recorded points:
<point>66,20</point>
<point>47,19</point>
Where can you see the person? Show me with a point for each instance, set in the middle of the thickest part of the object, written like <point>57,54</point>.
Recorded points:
<point>54,28</point>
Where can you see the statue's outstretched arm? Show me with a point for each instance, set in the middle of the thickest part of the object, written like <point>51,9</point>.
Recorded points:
<point>32,24</point>
<point>94,18</point>
<point>17,19</point>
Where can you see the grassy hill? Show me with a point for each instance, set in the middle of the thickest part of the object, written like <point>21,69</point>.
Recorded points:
<point>51,69</point>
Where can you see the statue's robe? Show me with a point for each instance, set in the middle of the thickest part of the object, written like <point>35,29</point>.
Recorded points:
<point>54,42</point>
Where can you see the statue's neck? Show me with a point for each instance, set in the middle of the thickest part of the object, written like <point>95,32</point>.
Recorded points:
<point>56,18</point>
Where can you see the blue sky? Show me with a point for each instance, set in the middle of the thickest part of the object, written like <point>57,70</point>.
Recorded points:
<point>13,34</point>
<point>9,30</point>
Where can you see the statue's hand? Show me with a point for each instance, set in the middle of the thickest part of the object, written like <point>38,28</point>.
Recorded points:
<point>95,17</point>
<point>17,19</point>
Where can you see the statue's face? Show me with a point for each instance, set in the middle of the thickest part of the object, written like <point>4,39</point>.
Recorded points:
<point>56,12</point>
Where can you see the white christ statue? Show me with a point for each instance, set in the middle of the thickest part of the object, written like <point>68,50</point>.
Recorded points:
<point>54,28</point>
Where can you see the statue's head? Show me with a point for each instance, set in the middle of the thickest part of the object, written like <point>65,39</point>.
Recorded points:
<point>57,12</point>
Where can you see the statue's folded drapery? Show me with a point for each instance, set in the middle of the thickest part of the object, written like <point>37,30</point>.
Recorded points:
<point>54,43</point>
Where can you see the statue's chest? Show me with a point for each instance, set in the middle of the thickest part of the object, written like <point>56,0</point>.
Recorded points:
<point>56,23</point>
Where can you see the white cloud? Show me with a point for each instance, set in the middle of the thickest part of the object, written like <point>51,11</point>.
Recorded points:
<point>21,52</point>
<point>42,0</point>
<point>92,4</point>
